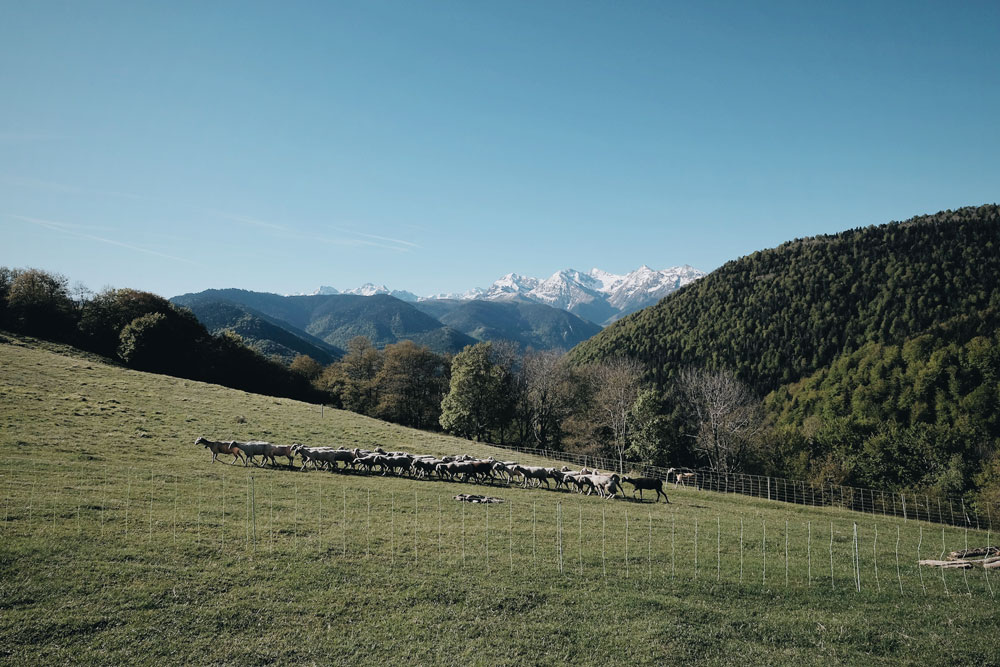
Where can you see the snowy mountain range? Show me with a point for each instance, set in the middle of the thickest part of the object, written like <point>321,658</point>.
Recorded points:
<point>597,295</point>
<point>370,289</point>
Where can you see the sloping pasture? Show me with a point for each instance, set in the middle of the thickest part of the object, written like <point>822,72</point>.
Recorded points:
<point>121,542</point>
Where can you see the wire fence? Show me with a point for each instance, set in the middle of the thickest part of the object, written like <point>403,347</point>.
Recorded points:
<point>907,506</point>
<point>232,512</point>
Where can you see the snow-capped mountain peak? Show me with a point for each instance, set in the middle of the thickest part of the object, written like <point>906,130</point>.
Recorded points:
<point>596,295</point>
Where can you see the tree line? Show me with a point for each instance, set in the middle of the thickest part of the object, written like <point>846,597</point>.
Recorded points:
<point>498,392</point>
<point>139,330</point>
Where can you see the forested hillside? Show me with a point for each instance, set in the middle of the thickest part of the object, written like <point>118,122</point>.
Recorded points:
<point>778,315</point>
<point>270,337</point>
<point>876,349</point>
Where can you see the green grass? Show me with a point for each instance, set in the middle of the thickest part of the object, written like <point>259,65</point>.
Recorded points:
<point>115,547</point>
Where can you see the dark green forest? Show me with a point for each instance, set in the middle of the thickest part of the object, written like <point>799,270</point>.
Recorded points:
<point>777,315</point>
<point>876,350</point>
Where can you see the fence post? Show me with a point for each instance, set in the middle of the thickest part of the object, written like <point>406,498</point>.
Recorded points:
<point>604,563</point>
<point>944,550</point>
<point>763,543</point>
<point>150,540</point>
<point>626,543</point>
<point>920,572</point>
<point>878,586</point>
<point>696,547</point>
<point>857,560</point>
<point>986,570</point>
<point>741,550</point>
<point>831,556</point>
<point>197,535</point>
<point>559,542</point>
<point>899,577</point>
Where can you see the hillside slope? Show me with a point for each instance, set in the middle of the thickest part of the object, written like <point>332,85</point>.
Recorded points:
<point>270,337</point>
<point>121,543</point>
<point>778,315</point>
<point>919,414</point>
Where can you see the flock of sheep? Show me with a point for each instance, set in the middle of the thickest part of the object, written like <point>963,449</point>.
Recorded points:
<point>452,468</point>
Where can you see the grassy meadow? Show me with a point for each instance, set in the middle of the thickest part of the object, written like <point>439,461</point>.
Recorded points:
<point>121,542</point>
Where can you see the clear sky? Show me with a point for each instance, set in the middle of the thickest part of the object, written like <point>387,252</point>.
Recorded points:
<point>435,146</point>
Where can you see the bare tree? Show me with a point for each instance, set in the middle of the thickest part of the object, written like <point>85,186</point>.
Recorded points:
<point>549,393</point>
<point>617,388</point>
<point>727,415</point>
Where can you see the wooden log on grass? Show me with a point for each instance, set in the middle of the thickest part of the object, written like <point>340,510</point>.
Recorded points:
<point>947,564</point>
<point>978,552</point>
<point>964,564</point>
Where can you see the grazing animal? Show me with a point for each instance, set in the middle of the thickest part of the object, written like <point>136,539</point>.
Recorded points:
<point>424,466</point>
<point>453,468</point>
<point>309,455</point>
<point>536,473</point>
<point>641,484</point>
<point>505,469</point>
<point>252,449</point>
<point>680,478</point>
<point>370,461</point>
<point>607,486</point>
<point>286,451</point>
<point>221,448</point>
<point>559,476</point>
<point>402,463</point>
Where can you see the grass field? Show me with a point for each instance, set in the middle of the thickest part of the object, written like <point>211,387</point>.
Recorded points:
<point>121,542</point>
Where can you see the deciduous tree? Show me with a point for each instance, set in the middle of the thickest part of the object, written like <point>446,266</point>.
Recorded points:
<point>726,413</point>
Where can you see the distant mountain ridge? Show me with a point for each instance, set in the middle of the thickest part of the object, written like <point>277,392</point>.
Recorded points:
<point>596,295</point>
<point>321,325</point>
<point>522,321</point>
<point>336,319</point>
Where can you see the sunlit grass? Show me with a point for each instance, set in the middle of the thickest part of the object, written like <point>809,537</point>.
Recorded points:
<point>122,542</point>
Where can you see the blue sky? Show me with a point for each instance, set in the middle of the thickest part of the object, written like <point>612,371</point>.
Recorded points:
<point>434,146</point>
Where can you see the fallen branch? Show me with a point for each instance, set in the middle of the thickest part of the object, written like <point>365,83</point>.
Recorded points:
<point>966,554</point>
<point>989,563</point>
<point>948,564</point>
